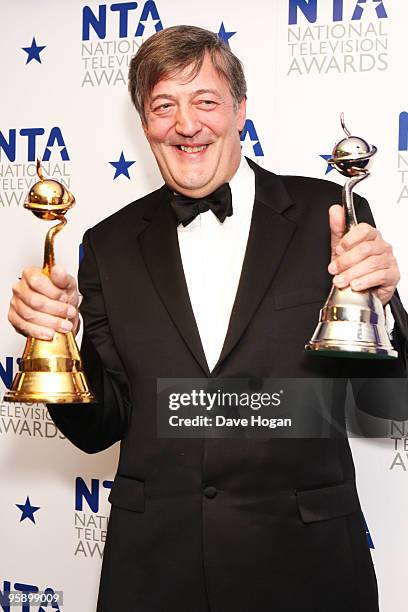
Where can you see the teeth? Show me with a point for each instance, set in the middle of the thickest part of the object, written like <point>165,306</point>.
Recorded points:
<point>193,149</point>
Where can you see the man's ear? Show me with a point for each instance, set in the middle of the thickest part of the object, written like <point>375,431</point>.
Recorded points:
<point>241,114</point>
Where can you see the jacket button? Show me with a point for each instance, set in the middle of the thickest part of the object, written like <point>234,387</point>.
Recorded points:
<point>210,492</point>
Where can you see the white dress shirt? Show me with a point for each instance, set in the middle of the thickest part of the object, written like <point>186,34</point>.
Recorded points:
<point>212,254</point>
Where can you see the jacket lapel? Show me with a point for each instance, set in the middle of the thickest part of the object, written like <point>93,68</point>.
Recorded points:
<point>161,253</point>
<point>268,239</point>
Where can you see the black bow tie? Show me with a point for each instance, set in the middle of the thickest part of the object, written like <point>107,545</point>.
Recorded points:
<point>186,209</point>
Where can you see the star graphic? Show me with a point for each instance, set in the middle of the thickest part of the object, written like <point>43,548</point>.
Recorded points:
<point>55,150</point>
<point>223,35</point>
<point>329,167</point>
<point>33,52</point>
<point>121,166</point>
<point>27,510</point>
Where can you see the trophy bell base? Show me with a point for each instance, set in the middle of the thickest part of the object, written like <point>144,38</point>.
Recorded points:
<point>350,350</point>
<point>352,325</point>
<point>49,388</point>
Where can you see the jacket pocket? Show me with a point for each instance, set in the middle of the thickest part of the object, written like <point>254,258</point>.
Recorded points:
<point>127,493</point>
<point>327,502</point>
<point>307,295</point>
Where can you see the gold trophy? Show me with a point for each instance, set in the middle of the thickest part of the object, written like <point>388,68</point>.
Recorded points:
<point>351,323</point>
<point>50,370</point>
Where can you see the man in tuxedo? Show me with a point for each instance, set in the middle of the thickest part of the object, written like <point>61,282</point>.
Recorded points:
<point>219,273</point>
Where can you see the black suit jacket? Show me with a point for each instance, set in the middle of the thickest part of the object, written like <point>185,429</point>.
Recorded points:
<point>227,525</point>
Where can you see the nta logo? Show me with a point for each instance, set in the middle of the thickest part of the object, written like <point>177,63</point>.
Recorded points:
<point>90,527</point>
<point>28,137</point>
<point>91,496</point>
<point>309,9</point>
<point>98,22</point>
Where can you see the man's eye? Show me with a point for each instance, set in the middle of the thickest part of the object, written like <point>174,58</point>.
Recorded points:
<point>162,107</point>
<point>208,103</point>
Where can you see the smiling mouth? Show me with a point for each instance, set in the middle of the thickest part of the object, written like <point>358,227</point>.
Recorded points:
<point>186,149</point>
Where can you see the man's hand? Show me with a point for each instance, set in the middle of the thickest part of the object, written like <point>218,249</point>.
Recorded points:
<point>41,305</point>
<point>361,258</point>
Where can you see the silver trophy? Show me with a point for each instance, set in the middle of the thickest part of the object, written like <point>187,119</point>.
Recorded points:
<point>352,323</point>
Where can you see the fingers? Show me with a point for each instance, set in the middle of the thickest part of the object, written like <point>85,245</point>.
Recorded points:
<point>39,307</point>
<point>363,260</point>
<point>358,233</point>
<point>32,306</point>
<point>360,278</point>
<point>38,282</point>
<point>29,329</point>
<point>379,278</point>
<point>374,252</point>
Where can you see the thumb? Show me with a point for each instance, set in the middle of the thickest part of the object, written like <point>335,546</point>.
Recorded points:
<point>337,226</point>
<point>62,279</point>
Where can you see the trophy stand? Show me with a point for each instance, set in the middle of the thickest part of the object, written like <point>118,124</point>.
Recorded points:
<point>351,323</point>
<point>50,370</point>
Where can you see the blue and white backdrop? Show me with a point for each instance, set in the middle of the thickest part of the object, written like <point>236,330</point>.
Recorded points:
<point>64,98</point>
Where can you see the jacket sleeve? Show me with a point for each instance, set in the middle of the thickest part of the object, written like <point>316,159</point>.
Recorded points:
<point>94,427</point>
<point>385,393</point>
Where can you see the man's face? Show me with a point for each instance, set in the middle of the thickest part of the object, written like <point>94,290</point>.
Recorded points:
<point>193,130</point>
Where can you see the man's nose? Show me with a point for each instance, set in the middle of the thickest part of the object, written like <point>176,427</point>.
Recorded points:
<point>187,121</point>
